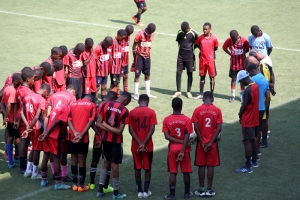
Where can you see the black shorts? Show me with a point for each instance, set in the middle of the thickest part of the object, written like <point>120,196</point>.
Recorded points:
<point>112,151</point>
<point>188,65</point>
<point>115,79</point>
<point>11,132</point>
<point>78,83</point>
<point>140,5</point>
<point>101,80</point>
<point>78,148</point>
<point>250,133</point>
<point>124,70</point>
<point>142,65</point>
<point>233,73</point>
<point>97,152</point>
<point>261,121</point>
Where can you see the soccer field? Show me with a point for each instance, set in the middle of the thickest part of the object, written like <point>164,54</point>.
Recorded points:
<point>29,29</point>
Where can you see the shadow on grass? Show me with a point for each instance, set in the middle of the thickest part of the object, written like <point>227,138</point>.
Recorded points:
<point>121,21</point>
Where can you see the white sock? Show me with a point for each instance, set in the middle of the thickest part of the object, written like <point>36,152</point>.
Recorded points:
<point>35,170</point>
<point>147,83</point>
<point>29,167</point>
<point>136,88</point>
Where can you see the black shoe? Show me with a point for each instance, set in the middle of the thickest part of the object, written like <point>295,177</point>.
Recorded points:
<point>231,99</point>
<point>263,145</point>
<point>170,197</point>
<point>188,195</point>
<point>67,179</point>
<point>53,177</point>
<point>22,171</point>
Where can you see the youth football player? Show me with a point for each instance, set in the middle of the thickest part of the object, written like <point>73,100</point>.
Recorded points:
<point>125,54</point>
<point>260,40</point>
<point>51,138</point>
<point>236,47</point>
<point>186,38</point>
<point>45,67</point>
<point>34,106</point>
<point>249,119</point>
<point>74,68</point>
<point>112,120</point>
<point>177,127</point>
<point>208,45</point>
<point>142,7</point>
<point>56,54</point>
<point>142,63</point>
<point>207,120</point>
<point>103,58</point>
<point>142,121</point>
<point>81,117</point>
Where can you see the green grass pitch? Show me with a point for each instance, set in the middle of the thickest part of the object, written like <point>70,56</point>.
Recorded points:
<point>29,29</point>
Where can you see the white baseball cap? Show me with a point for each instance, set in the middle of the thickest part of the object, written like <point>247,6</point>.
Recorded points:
<point>241,75</point>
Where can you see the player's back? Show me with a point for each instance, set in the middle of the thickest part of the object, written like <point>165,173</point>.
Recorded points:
<point>9,96</point>
<point>58,113</point>
<point>32,103</point>
<point>62,98</point>
<point>22,91</point>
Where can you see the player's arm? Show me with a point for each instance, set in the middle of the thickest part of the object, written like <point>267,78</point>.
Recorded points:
<point>115,130</point>
<point>134,47</point>
<point>269,49</point>
<point>185,144</point>
<point>225,47</point>
<point>22,116</point>
<point>197,131</point>
<point>99,123</point>
<point>218,130</point>
<point>134,135</point>
<point>172,139</point>
<point>4,114</point>
<point>87,61</point>
<point>150,133</point>
<point>70,124</point>
<point>86,128</point>
<point>94,127</point>
<point>267,99</point>
<point>35,119</point>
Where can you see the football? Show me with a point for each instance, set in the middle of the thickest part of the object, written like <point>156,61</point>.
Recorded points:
<point>193,137</point>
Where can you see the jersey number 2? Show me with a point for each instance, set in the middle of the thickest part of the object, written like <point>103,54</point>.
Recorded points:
<point>207,120</point>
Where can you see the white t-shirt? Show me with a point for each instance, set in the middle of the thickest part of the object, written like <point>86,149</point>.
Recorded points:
<point>268,61</point>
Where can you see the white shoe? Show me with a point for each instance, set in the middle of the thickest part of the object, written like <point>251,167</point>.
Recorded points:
<point>177,94</point>
<point>198,97</point>
<point>27,174</point>
<point>37,177</point>
<point>140,195</point>
<point>152,96</point>
<point>146,195</point>
<point>136,97</point>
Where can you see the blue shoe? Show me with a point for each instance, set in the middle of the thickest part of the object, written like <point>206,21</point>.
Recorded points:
<point>99,194</point>
<point>11,166</point>
<point>61,186</point>
<point>16,160</point>
<point>44,183</point>
<point>255,164</point>
<point>119,196</point>
<point>244,170</point>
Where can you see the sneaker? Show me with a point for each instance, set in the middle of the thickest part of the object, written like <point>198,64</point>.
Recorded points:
<point>37,177</point>
<point>109,189</point>
<point>269,131</point>
<point>152,96</point>
<point>67,179</point>
<point>99,194</point>
<point>210,193</point>
<point>170,197</point>
<point>16,160</point>
<point>147,194</point>
<point>26,175</point>
<point>84,188</point>
<point>22,171</point>
<point>231,99</point>
<point>188,195</point>
<point>255,164</point>
<point>75,188</point>
<point>44,182</point>
<point>259,152</point>
<point>244,170</point>
<point>263,145</point>
<point>198,97</point>
<point>140,24</point>
<point>140,195</point>
<point>177,94</point>
<point>61,186</point>
<point>92,186</point>
<point>200,193</point>
<point>119,196</point>
<point>134,19</point>
<point>189,95</point>
<point>257,158</point>
<point>136,97</point>
<point>11,166</point>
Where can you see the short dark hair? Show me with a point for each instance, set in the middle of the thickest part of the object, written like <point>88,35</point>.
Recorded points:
<point>27,74</point>
<point>122,33</point>
<point>58,65</point>
<point>56,50</point>
<point>108,40</point>
<point>233,33</point>
<point>185,26</point>
<point>64,50</point>
<point>151,27</point>
<point>254,28</point>
<point>207,24</point>
<point>38,73</point>
<point>177,103</point>
<point>80,47</point>
<point>17,77</point>
<point>250,67</point>
<point>126,95</point>
<point>51,71</point>
<point>26,69</point>
<point>46,67</point>
<point>208,94</point>
<point>111,96</point>
<point>90,97</point>
<point>71,87</point>
<point>129,28</point>
<point>143,97</point>
<point>46,87</point>
<point>89,42</point>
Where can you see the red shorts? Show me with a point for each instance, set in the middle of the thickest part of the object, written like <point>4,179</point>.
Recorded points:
<point>142,160</point>
<point>34,138</point>
<point>59,88</point>
<point>90,85</point>
<point>210,158</point>
<point>185,164</point>
<point>52,145</point>
<point>207,66</point>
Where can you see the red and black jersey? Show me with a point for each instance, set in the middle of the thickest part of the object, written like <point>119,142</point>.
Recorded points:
<point>117,57</point>
<point>250,117</point>
<point>125,51</point>
<point>103,60</point>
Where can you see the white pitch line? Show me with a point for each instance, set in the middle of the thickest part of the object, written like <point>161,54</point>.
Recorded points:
<point>107,26</point>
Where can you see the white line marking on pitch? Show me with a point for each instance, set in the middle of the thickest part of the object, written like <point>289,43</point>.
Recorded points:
<point>107,26</point>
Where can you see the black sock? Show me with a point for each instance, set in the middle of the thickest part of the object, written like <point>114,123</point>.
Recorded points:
<point>23,163</point>
<point>107,179</point>
<point>172,190</point>
<point>139,186</point>
<point>186,188</point>
<point>93,93</point>
<point>16,151</point>
<point>138,16</point>
<point>178,82</point>
<point>146,186</point>
<point>82,174</point>
<point>189,81</point>
<point>248,161</point>
<point>74,170</point>
<point>264,139</point>
<point>254,156</point>
<point>208,188</point>
<point>93,173</point>
<point>116,192</point>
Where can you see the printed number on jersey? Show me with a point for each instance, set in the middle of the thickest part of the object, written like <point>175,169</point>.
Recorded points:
<point>207,122</point>
<point>141,124</point>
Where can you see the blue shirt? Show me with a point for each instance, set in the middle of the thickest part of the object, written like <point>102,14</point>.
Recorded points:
<point>261,43</point>
<point>263,86</point>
